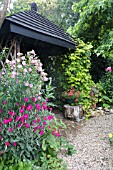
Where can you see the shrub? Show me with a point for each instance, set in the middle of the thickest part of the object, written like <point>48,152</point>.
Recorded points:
<point>28,128</point>
<point>77,66</point>
<point>107,88</point>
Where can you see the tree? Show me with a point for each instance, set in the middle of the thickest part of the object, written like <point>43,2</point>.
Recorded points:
<point>4,6</point>
<point>95,25</point>
<point>58,11</point>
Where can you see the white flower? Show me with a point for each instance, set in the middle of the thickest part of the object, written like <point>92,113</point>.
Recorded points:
<point>19,66</point>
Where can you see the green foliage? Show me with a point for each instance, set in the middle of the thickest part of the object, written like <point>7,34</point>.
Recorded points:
<point>77,67</point>
<point>107,89</point>
<point>14,164</point>
<point>95,25</point>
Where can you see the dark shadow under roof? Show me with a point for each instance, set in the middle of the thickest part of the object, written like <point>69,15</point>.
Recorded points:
<point>33,25</point>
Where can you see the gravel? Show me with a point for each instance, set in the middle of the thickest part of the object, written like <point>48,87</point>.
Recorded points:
<point>92,144</point>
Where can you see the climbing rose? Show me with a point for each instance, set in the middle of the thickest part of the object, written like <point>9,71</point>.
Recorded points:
<point>109,69</point>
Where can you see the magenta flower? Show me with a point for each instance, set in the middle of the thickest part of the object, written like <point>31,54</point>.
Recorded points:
<point>35,129</point>
<point>0,110</point>
<point>10,119</point>
<point>50,117</point>
<point>29,107</point>
<point>21,110</point>
<point>27,125</point>
<point>26,116</point>
<point>19,125</point>
<point>38,127</point>
<point>6,121</point>
<point>41,132</point>
<point>50,109</point>
<point>44,107</point>
<point>34,99</point>
<point>53,132</point>
<point>26,99</point>
<point>10,129</point>
<point>7,143</point>
<point>14,143</point>
<point>4,102</point>
<point>109,69</point>
<point>45,118</point>
<point>22,119</point>
<point>57,134</point>
<point>38,107</point>
<point>44,123</point>
<point>17,118</point>
<point>11,113</point>
<point>0,124</point>
<point>0,137</point>
<point>38,120</point>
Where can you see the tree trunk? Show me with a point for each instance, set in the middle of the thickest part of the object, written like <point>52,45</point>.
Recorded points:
<point>3,12</point>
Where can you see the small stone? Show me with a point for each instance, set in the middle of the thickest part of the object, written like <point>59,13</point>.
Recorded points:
<point>111,111</point>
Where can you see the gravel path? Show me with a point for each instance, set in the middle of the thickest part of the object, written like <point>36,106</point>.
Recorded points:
<point>92,145</point>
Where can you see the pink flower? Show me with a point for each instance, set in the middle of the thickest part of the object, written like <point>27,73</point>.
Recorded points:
<point>109,69</point>
<point>25,70</point>
<point>34,99</point>
<point>49,127</point>
<point>14,143</point>
<point>41,132</point>
<point>21,110</point>
<point>7,143</point>
<point>39,69</point>
<point>6,121</point>
<point>30,69</point>
<point>26,116</point>
<point>26,99</point>
<point>0,137</point>
<point>45,79</point>
<point>29,107</point>
<point>39,98</point>
<point>0,124</point>
<point>0,110</point>
<point>13,76</point>
<point>4,102</point>
<point>27,125</point>
<point>23,63</point>
<point>26,83</point>
<point>31,85</point>
<point>10,129</point>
